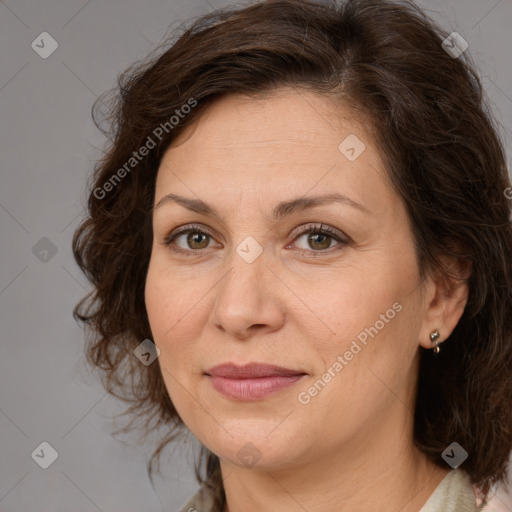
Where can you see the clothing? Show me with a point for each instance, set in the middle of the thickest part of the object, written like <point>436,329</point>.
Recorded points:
<point>453,494</point>
<point>201,501</point>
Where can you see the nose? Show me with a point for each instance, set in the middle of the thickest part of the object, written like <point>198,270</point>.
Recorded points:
<point>247,300</point>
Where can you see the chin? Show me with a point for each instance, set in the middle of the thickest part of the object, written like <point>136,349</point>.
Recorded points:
<point>253,447</point>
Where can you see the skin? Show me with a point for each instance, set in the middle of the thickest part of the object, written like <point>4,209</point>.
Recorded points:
<point>299,305</point>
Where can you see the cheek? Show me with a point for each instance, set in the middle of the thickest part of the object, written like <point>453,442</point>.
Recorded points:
<point>351,305</point>
<point>365,369</point>
<point>370,347</point>
<point>174,310</point>
<point>170,300</point>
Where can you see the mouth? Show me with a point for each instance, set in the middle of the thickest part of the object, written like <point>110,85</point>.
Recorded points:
<point>253,381</point>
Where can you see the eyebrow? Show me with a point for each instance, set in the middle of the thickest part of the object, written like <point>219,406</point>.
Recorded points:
<point>283,209</point>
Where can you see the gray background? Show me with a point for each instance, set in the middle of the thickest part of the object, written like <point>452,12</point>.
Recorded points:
<point>48,146</point>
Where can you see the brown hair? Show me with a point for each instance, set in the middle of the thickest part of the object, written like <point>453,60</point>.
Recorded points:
<point>443,156</point>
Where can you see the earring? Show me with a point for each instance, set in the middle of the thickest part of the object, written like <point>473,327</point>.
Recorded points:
<point>434,337</point>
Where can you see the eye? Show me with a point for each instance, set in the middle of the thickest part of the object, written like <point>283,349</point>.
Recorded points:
<point>319,238</point>
<point>189,239</point>
<point>315,239</point>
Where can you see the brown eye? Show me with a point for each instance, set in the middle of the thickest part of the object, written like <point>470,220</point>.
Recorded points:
<point>197,240</point>
<point>318,239</point>
<point>190,239</point>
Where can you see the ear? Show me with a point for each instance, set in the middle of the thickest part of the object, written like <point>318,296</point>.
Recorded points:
<point>446,295</point>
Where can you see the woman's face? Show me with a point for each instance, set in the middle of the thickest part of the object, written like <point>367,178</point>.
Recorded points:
<point>342,309</point>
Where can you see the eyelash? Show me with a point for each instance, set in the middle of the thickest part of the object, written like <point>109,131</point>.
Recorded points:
<point>316,229</point>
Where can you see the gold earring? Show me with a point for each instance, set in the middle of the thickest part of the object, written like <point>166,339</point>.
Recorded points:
<point>434,338</point>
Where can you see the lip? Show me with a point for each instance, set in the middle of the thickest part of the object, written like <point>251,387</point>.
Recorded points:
<point>251,371</point>
<point>252,381</point>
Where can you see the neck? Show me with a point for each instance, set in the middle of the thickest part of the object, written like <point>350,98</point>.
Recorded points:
<point>371,476</point>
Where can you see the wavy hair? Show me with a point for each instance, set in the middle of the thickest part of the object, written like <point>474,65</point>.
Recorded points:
<point>443,155</point>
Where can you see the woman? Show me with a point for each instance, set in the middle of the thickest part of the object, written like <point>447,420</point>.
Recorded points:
<point>300,247</point>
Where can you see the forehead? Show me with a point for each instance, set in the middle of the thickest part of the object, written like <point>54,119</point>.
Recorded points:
<point>281,116</point>
<point>288,139</point>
